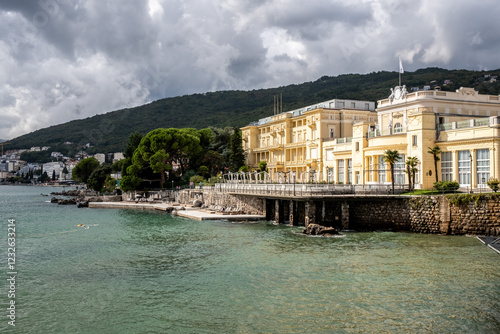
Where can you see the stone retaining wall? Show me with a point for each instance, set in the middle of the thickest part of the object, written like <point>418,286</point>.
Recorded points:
<point>424,214</point>
<point>476,214</point>
<point>222,201</point>
<point>452,214</point>
<point>390,213</point>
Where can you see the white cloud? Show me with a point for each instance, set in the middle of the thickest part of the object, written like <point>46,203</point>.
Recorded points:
<point>90,56</point>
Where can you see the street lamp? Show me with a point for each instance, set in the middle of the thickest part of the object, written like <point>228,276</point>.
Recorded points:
<point>172,185</point>
<point>470,175</point>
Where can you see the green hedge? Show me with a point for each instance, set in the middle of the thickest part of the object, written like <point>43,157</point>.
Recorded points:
<point>446,186</point>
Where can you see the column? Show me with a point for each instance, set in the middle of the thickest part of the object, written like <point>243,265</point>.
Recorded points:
<point>310,213</point>
<point>455,165</point>
<point>473,171</point>
<point>346,171</point>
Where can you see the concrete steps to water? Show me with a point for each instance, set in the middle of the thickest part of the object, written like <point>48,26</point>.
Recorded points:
<point>492,242</point>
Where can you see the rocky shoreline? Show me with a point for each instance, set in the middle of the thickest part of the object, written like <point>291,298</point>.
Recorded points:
<point>80,198</point>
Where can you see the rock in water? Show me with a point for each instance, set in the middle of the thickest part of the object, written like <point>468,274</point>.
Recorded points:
<point>83,204</point>
<point>316,229</point>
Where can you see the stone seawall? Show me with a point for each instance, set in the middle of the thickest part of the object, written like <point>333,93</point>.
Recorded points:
<point>451,214</point>
<point>389,213</point>
<point>221,201</point>
<point>475,214</point>
<point>424,214</point>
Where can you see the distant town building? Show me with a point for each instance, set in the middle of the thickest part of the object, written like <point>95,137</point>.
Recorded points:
<point>81,155</point>
<point>56,155</point>
<point>101,157</point>
<point>50,167</point>
<point>4,175</point>
<point>11,166</point>
<point>35,149</point>
<point>70,164</point>
<point>45,148</point>
<point>118,156</point>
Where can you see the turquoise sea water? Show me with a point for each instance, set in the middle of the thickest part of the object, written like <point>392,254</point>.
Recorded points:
<point>147,272</point>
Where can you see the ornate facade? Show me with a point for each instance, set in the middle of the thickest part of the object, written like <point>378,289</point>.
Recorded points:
<point>343,141</point>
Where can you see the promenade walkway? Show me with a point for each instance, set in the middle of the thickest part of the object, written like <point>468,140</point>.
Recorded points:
<point>211,215</point>
<point>187,212</point>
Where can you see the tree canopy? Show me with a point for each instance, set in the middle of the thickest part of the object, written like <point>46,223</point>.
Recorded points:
<point>160,149</point>
<point>84,169</point>
<point>237,157</point>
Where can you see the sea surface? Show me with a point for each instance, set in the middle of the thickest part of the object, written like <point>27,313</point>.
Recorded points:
<point>131,271</point>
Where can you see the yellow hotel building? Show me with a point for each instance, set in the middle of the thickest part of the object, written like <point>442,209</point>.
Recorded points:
<point>343,141</point>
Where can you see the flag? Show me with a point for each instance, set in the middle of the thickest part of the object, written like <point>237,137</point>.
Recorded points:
<point>401,70</point>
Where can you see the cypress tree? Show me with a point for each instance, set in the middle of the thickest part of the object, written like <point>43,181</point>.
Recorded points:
<point>237,157</point>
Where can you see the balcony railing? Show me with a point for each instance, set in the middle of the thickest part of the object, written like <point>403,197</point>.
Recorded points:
<point>344,140</point>
<point>470,123</point>
<point>387,132</point>
<point>315,189</point>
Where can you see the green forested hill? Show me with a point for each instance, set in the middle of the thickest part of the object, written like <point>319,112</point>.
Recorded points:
<point>109,132</point>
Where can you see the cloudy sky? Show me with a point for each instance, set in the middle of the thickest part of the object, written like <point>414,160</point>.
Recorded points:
<point>67,59</point>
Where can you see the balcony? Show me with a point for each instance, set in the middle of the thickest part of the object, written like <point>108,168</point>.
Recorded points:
<point>338,140</point>
<point>387,132</point>
<point>470,123</point>
<point>274,163</point>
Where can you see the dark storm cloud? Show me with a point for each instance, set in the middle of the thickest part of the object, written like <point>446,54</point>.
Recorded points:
<point>299,15</point>
<point>62,59</point>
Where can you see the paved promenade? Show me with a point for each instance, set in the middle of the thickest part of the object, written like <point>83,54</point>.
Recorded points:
<point>207,215</point>
<point>187,212</point>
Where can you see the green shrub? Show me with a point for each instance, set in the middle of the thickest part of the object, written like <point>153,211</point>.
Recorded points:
<point>214,179</point>
<point>197,179</point>
<point>465,199</point>
<point>493,184</point>
<point>446,186</point>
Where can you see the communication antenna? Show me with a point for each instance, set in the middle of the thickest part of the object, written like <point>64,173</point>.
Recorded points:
<point>275,104</point>
<point>278,104</point>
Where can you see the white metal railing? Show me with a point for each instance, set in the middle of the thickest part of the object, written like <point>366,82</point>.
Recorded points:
<point>298,189</point>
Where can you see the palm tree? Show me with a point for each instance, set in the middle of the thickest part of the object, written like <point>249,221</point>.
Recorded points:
<point>411,169</point>
<point>391,157</point>
<point>435,151</point>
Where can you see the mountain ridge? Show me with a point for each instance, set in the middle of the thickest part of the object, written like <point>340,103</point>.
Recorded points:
<point>109,132</point>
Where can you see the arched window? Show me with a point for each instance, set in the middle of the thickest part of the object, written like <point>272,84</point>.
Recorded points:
<point>398,128</point>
